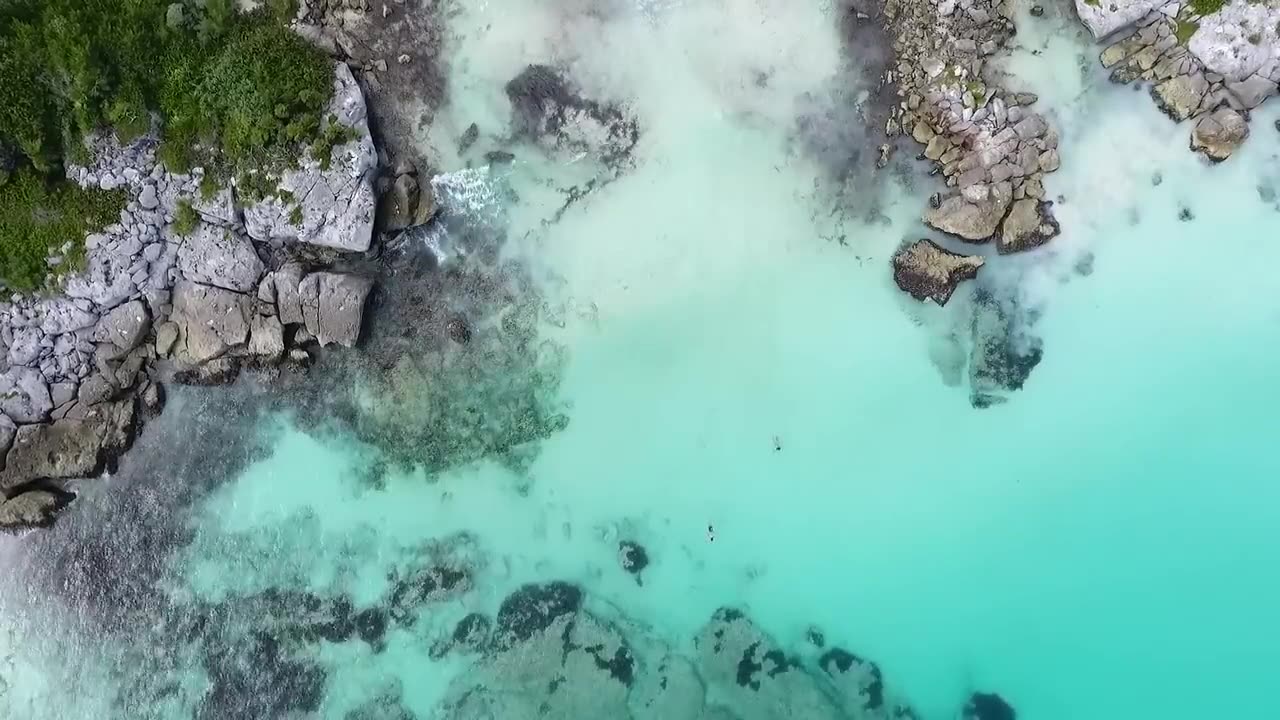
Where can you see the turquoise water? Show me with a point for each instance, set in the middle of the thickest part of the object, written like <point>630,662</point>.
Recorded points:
<point>1100,546</point>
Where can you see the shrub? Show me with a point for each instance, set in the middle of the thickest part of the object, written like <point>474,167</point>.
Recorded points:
<point>232,92</point>
<point>39,219</point>
<point>185,218</point>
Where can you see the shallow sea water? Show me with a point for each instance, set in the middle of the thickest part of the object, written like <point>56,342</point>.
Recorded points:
<point>1101,546</point>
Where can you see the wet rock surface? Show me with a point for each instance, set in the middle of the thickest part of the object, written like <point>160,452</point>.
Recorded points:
<point>1029,224</point>
<point>926,270</point>
<point>1219,133</point>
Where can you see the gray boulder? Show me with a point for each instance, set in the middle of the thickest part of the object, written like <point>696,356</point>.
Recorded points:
<point>288,301</point>
<point>210,321</point>
<point>24,395</point>
<point>266,337</point>
<point>333,306</point>
<point>60,316</point>
<point>217,256</point>
<point>1252,91</point>
<point>1179,97</point>
<point>333,198</point>
<point>125,326</point>
<point>31,509</point>
<point>69,448</point>
<point>24,348</point>
<point>972,221</point>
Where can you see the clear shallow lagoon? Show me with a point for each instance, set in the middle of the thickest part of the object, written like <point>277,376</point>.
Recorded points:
<point>1101,546</point>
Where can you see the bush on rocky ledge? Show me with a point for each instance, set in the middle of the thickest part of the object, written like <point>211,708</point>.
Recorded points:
<point>230,91</point>
<point>39,219</point>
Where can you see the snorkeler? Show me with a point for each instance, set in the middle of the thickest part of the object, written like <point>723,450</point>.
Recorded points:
<point>711,533</point>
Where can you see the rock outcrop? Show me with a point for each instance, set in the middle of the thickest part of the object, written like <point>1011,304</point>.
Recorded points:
<point>154,305</point>
<point>1104,17</point>
<point>1219,133</point>
<point>327,201</point>
<point>221,257</point>
<point>928,271</point>
<point>988,143</point>
<point>967,219</point>
<point>1212,68</point>
<point>1029,224</point>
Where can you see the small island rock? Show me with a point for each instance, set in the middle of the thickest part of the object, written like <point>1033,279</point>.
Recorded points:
<point>928,271</point>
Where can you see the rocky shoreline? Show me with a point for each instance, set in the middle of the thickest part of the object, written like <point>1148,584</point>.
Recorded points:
<point>992,149</point>
<point>1208,62</point>
<point>194,282</point>
<point>1211,63</point>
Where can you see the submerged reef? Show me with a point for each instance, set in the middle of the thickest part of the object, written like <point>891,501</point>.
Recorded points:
<point>554,656</point>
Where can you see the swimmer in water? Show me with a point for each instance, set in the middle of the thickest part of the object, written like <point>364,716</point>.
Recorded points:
<point>711,534</point>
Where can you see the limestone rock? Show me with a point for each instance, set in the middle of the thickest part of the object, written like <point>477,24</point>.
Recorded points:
<point>1236,40</point>
<point>24,395</point>
<point>217,209</point>
<point>288,301</point>
<point>166,336</point>
<point>266,337</point>
<point>1104,17</point>
<point>334,197</point>
<point>31,509</point>
<point>333,306</point>
<point>126,325</point>
<point>7,432</point>
<point>1030,224</point>
<point>1251,91</point>
<point>972,221</point>
<point>1180,96</point>
<point>1219,133</point>
<point>217,256</point>
<point>926,270</point>
<point>210,321</point>
<point>69,448</point>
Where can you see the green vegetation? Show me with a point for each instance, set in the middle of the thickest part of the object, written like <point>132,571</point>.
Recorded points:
<point>39,219</point>
<point>1092,3</point>
<point>1206,7</point>
<point>1183,30</point>
<point>208,187</point>
<point>231,92</point>
<point>185,218</point>
<point>333,135</point>
<point>295,216</point>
